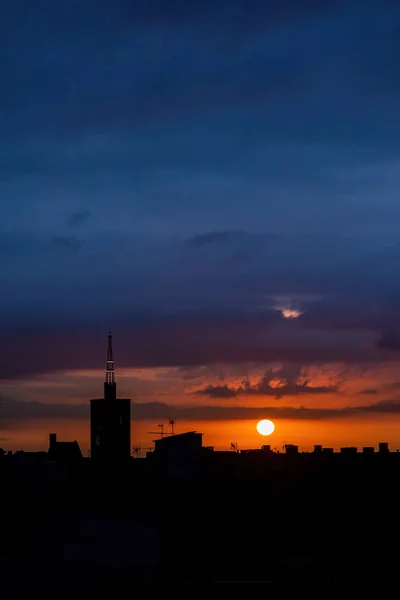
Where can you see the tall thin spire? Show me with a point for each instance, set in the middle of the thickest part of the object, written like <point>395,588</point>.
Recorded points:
<point>110,362</point>
<point>110,390</point>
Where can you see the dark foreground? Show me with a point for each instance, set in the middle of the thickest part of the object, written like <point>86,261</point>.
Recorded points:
<point>87,533</point>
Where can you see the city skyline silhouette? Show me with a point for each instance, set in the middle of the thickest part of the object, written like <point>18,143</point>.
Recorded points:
<point>105,409</point>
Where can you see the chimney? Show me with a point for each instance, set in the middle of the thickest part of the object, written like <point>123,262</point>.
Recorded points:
<point>53,439</point>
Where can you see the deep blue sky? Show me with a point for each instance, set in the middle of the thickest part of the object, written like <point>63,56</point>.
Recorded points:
<point>177,170</point>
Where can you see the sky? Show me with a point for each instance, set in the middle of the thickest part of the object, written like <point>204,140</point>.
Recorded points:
<point>217,183</point>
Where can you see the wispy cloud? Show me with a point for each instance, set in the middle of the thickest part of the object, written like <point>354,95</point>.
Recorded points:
<point>12,412</point>
<point>63,242</point>
<point>78,218</point>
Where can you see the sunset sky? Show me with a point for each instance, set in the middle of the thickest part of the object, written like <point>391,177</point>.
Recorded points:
<point>216,182</point>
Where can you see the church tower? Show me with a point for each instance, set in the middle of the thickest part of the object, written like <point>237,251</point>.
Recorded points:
<point>110,420</point>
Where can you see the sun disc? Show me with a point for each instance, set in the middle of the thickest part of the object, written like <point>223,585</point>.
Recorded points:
<point>265,427</point>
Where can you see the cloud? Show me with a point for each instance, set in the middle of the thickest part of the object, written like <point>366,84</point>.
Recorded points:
<point>237,13</point>
<point>244,275</point>
<point>385,407</point>
<point>393,385</point>
<point>13,412</point>
<point>78,218</point>
<point>214,237</point>
<point>58,342</point>
<point>68,243</point>
<point>201,371</point>
<point>287,381</point>
<point>227,56</point>
<point>389,340</point>
<point>233,157</point>
<point>220,391</point>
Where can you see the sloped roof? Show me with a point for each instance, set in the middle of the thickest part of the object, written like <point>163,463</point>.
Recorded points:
<point>65,451</point>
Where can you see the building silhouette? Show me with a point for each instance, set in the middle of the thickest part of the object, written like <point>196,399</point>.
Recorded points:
<point>110,420</point>
<point>383,447</point>
<point>63,451</point>
<point>179,455</point>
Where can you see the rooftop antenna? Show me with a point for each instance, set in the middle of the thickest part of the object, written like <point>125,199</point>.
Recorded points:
<point>138,451</point>
<point>161,432</point>
<point>109,384</point>
<point>172,423</point>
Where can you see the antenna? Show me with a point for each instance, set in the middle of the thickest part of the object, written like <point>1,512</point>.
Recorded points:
<point>161,432</point>
<point>138,450</point>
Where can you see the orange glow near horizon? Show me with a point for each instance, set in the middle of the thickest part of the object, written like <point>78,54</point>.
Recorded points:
<point>176,391</point>
<point>367,431</point>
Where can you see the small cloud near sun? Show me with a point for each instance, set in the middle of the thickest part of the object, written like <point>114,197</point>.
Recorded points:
<point>289,313</point>
<point>289,307</point>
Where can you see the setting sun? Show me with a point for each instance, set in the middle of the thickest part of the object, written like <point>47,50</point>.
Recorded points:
<point>265,427</point>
